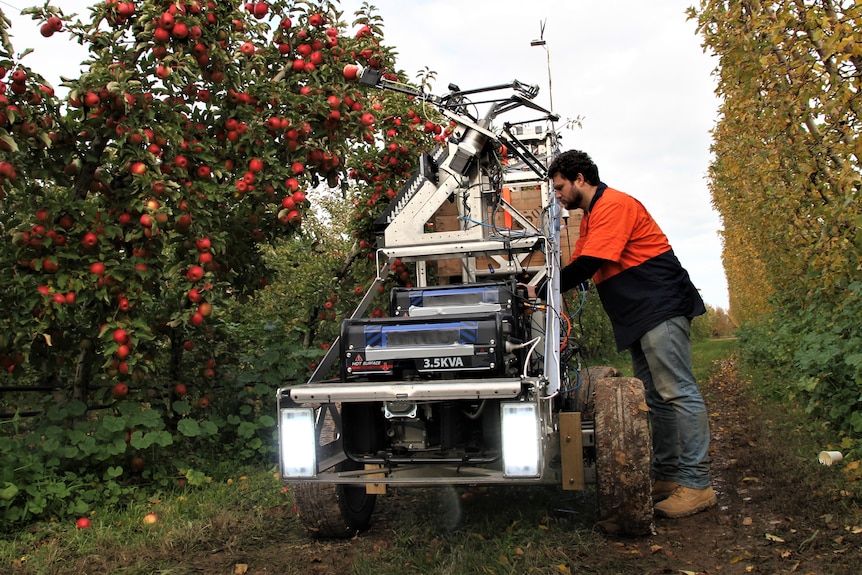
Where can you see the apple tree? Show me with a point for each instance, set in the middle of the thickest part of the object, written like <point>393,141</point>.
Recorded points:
<point>137,210</point>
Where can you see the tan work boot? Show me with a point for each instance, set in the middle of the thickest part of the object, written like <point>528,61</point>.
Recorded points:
<point>662,489</point>
<point>686,501</point>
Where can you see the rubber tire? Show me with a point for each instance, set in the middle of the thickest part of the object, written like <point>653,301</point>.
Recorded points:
<point>623,456</point>
<point>586,395</point>
<point>334,511</point>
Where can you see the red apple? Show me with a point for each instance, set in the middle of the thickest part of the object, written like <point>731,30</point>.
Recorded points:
<point>183,223</point>
<point>260,9</point>
<point>91,100</point>
<point>350,72</point>
<point>83,523</point>
<point>120,391</point>
<point>180,30</point>
<point>166,21</point>
<point>195,273</point>
<point>90,240</point>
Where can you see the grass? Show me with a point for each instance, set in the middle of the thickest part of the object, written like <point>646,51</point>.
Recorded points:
<point>705,353</point>
<point>211,517</point>
<point>536,530</point>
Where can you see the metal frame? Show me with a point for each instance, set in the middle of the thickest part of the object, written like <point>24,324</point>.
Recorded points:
<point>442,174</point>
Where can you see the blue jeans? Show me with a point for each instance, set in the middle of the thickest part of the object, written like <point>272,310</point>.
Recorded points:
<point>680,427</point>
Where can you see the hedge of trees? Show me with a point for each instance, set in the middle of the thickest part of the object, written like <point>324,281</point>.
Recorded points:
<point>141,203</point>
<point>786,181</point>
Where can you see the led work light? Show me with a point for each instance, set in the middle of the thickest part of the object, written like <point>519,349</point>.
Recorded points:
<point>298,443</point>
<point>521,452</point>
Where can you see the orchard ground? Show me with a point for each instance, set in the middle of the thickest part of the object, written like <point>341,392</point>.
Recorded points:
<point>779,511</point>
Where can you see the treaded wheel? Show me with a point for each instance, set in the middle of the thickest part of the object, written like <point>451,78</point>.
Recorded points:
<point>328,510</point>
<point>586,396</point>
<point>623,455</point>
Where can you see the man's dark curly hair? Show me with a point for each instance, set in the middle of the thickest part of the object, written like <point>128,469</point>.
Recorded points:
<point>573,162</point>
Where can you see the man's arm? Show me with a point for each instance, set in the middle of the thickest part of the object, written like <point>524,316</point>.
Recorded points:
<point>577,272</point>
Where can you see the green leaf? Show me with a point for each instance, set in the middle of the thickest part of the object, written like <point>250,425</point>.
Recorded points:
<point>255,443</point>
<point>113,472</point>
<point>262,389</point>
<point>8,491</point>
<point>246,429</point>
<point>266,421</point>
<point>189,427</point>
<point>195,477</point>
<point>208,427</point>
<point>9,141</point>
<point>145,440</point>
<point>181,407</point>
<point>113,423</point>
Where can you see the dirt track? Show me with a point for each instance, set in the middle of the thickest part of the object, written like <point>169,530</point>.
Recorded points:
<point>776,514</point>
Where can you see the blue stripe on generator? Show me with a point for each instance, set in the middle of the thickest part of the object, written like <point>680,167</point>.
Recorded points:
<point>444,333</point>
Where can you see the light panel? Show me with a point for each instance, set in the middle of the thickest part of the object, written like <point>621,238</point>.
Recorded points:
<point>298,443</point>
<point>521,441</point>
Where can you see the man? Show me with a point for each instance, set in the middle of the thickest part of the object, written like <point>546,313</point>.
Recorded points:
<point>650,300</point>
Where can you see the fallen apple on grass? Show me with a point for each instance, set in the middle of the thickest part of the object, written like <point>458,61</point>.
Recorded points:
<point>150,518</point>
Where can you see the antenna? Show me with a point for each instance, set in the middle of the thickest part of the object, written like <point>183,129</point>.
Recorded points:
<point>541,42</point>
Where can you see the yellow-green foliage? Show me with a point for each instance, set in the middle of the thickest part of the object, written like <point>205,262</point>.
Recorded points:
<point>786,181</point>
<point>786,174</point>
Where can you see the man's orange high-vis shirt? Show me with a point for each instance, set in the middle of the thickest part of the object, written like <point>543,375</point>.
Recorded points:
<point>641,282</point>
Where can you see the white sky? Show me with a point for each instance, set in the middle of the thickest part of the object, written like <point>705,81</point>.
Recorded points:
<point>633,70</point>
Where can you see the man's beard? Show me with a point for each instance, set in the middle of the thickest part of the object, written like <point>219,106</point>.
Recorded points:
<point>574,204</point>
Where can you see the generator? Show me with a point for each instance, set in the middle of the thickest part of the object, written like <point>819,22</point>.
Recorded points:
<point>437,332</point>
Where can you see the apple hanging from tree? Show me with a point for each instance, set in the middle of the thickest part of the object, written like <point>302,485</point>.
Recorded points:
<point>120,390</point>
<point>350,72</point>
<point>195,273</point>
